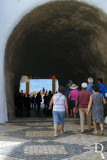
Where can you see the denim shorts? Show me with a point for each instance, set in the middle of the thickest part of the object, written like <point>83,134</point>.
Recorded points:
<point>58,116</point>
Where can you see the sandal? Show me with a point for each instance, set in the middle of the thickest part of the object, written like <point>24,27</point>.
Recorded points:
<point>95,132</point>
<point>82,132</point>
<point>102,132</point>
<point>62,132</point>
<point>55,134</point>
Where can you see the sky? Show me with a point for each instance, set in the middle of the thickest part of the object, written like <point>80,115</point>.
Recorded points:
<point>37,85</point>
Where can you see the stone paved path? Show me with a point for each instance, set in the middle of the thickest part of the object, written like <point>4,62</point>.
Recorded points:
<point>32,139</point>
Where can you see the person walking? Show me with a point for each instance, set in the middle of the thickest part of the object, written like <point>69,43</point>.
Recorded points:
<point>45,100</point>
<point>102,87</point>
<point>49,96</point>
<point>38,100</point>
<point>82,99</point>
<point>60,105</point>
<point>43,90</point>
<point>66,93</point>
<point>32,101</point>
<point>95,106</point>
<point>90,84</point>
<point>45,109</point>
<point>19,103</point>
<point>27,102</point>
<point>72,96</point>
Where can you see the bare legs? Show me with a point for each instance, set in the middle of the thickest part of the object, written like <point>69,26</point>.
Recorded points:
<point>62,128</point>
<point>95,127</point>
<point>56,129</point>
<point>102,131</point>
<point>101,125</point>
<point>74,113</point>
<point>71,112</point>
<point>58,116</point>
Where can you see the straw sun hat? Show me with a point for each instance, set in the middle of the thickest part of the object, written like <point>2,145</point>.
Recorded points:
<point>74,86</point>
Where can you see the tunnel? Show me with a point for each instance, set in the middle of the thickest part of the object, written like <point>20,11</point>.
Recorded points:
<point>62,38</point>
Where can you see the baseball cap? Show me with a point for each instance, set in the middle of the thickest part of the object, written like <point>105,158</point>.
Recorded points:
<point>84,85</point>
<point>70,81</point>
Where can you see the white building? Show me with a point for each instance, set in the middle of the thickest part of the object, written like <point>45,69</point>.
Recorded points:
<point>11,15</point>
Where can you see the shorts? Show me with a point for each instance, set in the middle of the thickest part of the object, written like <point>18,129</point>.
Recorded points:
<point>72,104</point>
<point>58,116</point>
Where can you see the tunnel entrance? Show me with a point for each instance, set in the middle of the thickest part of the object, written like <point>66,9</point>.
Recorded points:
<point>62,38</point>
<point>40,92</point>
<point>32,85</point>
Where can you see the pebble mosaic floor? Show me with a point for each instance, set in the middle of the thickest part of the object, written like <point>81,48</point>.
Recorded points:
<point>33,139</point>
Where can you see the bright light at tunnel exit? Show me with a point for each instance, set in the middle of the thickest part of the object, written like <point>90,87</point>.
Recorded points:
<point>38,84</point>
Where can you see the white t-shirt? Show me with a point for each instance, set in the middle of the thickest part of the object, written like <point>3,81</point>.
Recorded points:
<point>58,102</point>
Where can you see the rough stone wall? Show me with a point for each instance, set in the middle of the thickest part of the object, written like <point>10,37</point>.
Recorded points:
<point>11,13</point>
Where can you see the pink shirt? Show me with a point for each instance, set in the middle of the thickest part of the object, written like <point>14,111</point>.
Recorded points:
<point>73,94</point>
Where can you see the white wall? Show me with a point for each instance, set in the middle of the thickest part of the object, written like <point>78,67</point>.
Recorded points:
<point>11,12</point>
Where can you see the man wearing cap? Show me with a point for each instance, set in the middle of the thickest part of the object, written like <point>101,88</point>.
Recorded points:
<point>66,93</point>
<point>83,98</point>
<point>90,84</point>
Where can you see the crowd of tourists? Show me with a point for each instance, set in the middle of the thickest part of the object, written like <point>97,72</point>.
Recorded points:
<point>24,103</point>
<point>70,101</point>
<point>88,101</point>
